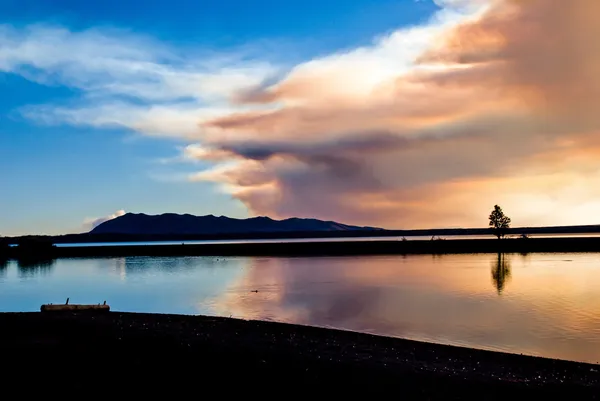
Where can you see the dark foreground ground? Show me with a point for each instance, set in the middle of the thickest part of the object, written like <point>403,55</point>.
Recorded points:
<point>118,354</point>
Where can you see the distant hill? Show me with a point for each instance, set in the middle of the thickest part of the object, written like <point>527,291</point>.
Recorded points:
<point>104,233</point>
<point>186,224</point>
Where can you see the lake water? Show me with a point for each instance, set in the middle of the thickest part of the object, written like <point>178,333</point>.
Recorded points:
<point>538,304</point>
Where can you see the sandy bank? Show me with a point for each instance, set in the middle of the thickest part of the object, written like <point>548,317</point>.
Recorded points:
<point>152,354</point>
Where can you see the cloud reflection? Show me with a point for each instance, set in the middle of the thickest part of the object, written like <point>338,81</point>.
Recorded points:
<point>448,299</point>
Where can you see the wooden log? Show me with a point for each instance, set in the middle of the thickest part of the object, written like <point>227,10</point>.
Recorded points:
<point>74,308</point>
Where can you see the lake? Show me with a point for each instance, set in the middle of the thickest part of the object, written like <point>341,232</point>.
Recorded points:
<point>537,304</point>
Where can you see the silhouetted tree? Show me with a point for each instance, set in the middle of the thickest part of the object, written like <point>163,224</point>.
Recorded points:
<point>499,222</point>
<point>34,250</point>
<point>4,249</point>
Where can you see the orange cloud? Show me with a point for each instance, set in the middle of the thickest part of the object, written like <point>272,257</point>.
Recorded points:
<point>430,126</point>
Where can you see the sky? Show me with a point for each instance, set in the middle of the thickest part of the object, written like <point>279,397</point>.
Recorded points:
<point>390,113</point>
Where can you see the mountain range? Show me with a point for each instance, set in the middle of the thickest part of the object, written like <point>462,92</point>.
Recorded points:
<point>187,224</point>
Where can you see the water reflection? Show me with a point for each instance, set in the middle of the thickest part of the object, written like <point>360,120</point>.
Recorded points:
<point>550,310</point>
<point>3,267</point>
<point>549,303</point>
<point>501,272</point>
<point>31,268</point>
<point>163,284</point>
<point>120,267</point>
<point>137,264</point>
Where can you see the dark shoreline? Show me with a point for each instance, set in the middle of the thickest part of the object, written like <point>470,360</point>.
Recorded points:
<point>316,248</point>
<point>257,235</point>
<point>152,353</point>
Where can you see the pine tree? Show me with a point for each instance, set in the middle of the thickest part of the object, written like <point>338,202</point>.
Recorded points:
<point>499,222</point>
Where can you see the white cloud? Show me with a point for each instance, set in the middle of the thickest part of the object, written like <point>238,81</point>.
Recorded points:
<point>119,63</point>
<point>139,83</point>
<point>374,134</point>
<point>172,120</point>
<point>463,5</point>
<point>89,223</point>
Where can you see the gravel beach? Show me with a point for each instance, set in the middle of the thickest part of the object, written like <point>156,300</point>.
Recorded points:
<point>151,354</point>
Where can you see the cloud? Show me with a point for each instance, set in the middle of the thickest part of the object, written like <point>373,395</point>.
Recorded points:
<point>90,223</point>
<point>116,62</point>
<point>427,126</point>
<point>485,100</point>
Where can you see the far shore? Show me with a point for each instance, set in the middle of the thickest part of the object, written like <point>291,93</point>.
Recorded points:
<point>44,250</point>
<point>152,354</point>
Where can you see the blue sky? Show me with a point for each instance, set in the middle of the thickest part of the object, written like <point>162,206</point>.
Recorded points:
<point>387,113</point>
<point>55,176</point>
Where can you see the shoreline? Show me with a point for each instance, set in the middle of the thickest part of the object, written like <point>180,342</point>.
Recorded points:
<point>276,235</point>
<point>182,351</point>
<point>323,248</point>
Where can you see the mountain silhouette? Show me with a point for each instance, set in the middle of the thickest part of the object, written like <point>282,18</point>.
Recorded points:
<point>187,224</point>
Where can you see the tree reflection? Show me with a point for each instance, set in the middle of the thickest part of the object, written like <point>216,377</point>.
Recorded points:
<point>3,266</point>
<point>500,272</point>
<point>31,268</point>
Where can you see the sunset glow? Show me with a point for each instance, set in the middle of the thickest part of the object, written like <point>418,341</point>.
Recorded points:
<point>427,125</point>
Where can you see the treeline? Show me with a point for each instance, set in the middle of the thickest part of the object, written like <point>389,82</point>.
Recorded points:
<point>4,251</point>
<point>30,249</point>
<point>88,238</point>
<point>324,248</point>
